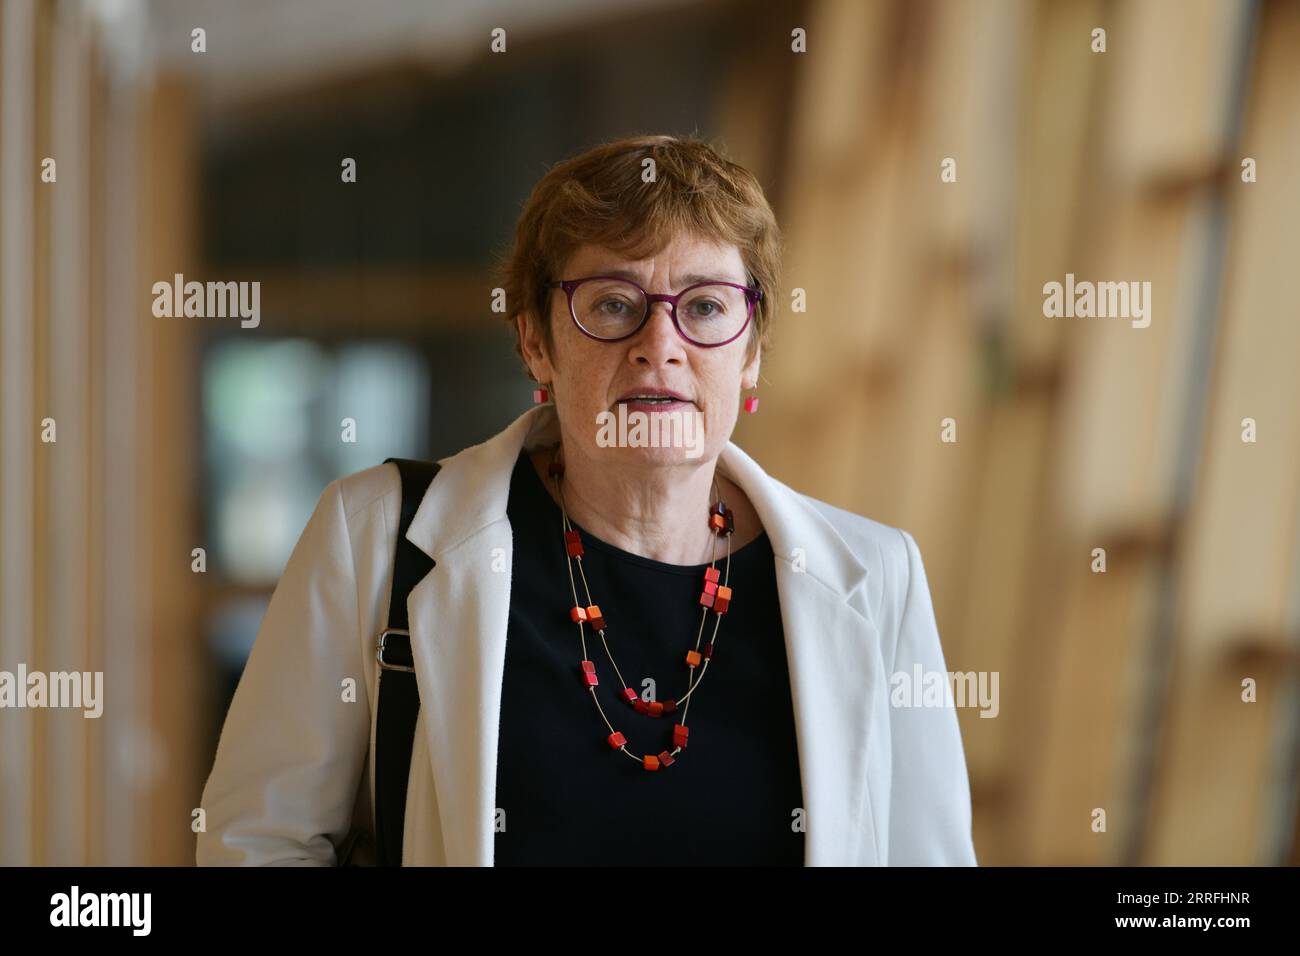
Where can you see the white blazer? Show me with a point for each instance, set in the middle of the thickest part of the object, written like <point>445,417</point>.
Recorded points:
<point>881,784</point>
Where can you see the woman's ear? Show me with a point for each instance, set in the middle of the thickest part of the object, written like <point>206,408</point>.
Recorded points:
<point>533,346</point>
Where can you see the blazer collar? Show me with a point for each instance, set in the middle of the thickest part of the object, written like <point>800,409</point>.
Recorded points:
<point>474,489</point>
<point>459,617</point>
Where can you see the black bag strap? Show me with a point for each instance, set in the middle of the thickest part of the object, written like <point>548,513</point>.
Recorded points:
<point>399,695</point>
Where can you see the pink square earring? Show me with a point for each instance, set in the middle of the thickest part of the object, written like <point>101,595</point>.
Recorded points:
<point>541,396</point>
<point>751,404</point>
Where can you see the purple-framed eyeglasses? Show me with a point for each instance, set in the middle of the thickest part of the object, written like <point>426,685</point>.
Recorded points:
<point>612,308</point>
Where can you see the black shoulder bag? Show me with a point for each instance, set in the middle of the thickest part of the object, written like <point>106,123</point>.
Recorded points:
<point>399,695</point>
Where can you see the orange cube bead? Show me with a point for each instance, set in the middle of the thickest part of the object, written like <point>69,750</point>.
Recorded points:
<point>655,708</point>
<point>722,521</point>
<point>722,599</point>
<point>578,614</point>
<point>693,658</point>
<point>651,762</point>
<point>595,617</point>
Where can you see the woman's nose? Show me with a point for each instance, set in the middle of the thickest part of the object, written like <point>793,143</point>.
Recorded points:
<point>660,322</point>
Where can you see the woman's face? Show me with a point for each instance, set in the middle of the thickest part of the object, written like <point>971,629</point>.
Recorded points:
<point>589,377</point>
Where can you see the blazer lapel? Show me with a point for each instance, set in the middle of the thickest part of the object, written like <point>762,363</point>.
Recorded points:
<point>836,671</point>
<point>459,616</point>
<point>458,619</point>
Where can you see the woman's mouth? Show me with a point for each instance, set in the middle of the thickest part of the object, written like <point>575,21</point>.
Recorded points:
<point>653,403</point>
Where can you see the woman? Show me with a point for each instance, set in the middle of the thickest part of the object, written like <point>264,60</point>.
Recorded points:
<point>733,639</point>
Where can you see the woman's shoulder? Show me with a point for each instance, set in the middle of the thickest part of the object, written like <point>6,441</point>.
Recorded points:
<point>890,553</point>
<point>892,559</point>
<point>866,536</point>
<point>359,513</point>
<point>361,490</point>
<point>363,504</point>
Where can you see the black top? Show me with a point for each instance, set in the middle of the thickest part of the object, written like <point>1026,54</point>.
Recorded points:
<point>564,795</point>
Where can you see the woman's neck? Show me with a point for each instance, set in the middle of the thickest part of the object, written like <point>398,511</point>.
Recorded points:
<point>660,513</point>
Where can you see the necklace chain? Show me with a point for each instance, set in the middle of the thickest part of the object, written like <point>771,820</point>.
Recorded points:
<point>714,597</point>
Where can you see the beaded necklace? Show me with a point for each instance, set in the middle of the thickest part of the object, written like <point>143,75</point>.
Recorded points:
<point>714,596</point>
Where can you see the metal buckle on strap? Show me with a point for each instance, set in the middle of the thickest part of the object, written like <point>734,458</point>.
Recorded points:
<point>383,645</point>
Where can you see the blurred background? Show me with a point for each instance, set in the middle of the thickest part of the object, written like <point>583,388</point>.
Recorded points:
<point>1119,690</point>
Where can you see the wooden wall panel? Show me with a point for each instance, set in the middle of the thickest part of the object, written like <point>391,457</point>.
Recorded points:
<point>67,465</point>
<point>1226,769</point>
<point>44,577</point>
<point>19,438</point>
<point>1093,698</point>
<point>1054,163</point>
<point>1129,387</point>
<point>1174,68</point>
<point>172,774</point>
<point>1000,573</point>
<point>968,111</point>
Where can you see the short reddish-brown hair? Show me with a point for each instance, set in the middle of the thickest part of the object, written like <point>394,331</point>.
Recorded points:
<point>600,198</point>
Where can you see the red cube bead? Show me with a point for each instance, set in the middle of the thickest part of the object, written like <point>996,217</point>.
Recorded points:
<point>706,598</point>
<point>591,680</point>
<point>641,706</point>
<point>670,706</point>
<point>708,650</point>
<point>711,574</point>
<point>751,403</point>
<point>650,762</point>
<point>573,544</point>
<point>595,617</point>
<point>710,587</point>
<point>578,614</point>
<point>679,735</point>
<point>655,708</point>
<point>666,759</point>
<point>630,694</point>
<point>616,740</point>
<point>723,599</point>
<point>589,666</point>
